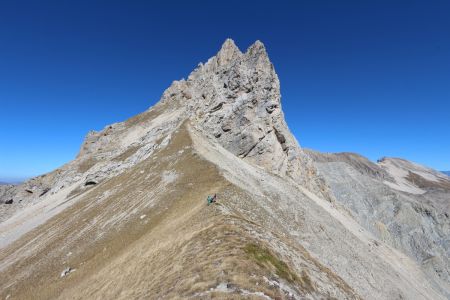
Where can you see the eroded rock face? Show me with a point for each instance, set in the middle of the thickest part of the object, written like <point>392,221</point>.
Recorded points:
<point>234,98</point>
<point>404,204</point>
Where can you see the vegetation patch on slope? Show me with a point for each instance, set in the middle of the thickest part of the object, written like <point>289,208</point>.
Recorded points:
<point>264,258</point>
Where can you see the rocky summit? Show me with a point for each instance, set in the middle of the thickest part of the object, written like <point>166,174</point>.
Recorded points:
<point>128,218</point>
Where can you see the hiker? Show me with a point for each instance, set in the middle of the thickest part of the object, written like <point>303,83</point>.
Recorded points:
<point>211,199</point>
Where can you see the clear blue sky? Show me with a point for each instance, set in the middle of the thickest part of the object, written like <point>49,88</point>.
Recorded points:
<point>371,77</point>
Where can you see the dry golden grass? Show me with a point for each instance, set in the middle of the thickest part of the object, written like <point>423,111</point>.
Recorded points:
<point>127,153</point>
<point>428,184</point>
<point>181,249</point>
<point>85,165</point>
<point>145,116</point>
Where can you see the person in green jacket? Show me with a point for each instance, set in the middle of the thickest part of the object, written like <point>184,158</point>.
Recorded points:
<point>211,199</point>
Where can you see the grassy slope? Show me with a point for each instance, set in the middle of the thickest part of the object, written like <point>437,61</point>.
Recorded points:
<point>181,248</point>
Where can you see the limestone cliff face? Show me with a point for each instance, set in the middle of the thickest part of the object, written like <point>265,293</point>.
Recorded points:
<point>234,98</point>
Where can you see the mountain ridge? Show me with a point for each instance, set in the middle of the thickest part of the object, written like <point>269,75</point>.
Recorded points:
<point>128,218</point>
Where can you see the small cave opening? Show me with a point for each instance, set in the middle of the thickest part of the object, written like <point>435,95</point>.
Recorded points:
<point>90,182</point>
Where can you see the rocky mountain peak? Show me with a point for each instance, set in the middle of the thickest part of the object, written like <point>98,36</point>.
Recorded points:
<point>234,98</point>
<point>228,52</point>
<point>257,47</point>
<point>257,52</point>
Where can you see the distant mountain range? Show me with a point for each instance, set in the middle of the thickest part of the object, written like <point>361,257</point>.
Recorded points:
<point>14,180</point>
<point>8,183</point>
<point>446,172</point>
<point>4,182</point>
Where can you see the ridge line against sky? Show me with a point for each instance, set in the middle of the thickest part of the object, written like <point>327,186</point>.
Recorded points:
<point>370,78</point>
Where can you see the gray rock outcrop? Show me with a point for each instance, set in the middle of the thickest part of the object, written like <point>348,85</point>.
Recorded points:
<point>235,99</point>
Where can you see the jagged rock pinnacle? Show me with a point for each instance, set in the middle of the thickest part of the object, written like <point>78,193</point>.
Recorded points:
<point>228,52</point>
<point>257,48</point>
<point>234,98</point>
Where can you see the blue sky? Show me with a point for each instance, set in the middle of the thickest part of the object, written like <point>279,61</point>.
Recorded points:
<point>371,77</point>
